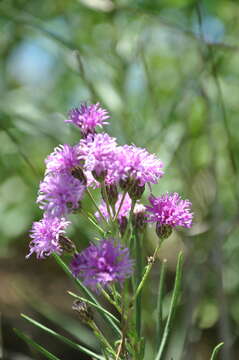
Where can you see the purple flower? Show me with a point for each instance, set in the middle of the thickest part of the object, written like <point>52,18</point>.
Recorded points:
<point>88,117</point>
<point>45,236</point>
<point>137,165</point>
<point>59,194</point>
<point>102,264</point>
<point>64,158</point>
<point>98,153</point>
<point>124,210</point>
<point>170,209</point>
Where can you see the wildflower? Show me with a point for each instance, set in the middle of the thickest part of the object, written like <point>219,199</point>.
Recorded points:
<point>169,211</point>
<point>60,193</point>
<point>88,117</point>
<point>45,236</point>
<point>102,264</point>
<point>63,159</point>
<point>136,166</point>
<point>98,153</point>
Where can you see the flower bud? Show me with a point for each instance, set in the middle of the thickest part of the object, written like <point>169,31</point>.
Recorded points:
<point>78,173</point>
<point>66,244</point>
<point>139,217</point>
<point>163,231</point>
<point>84,311</point>
<point>112,193</point>
<point>99,176</point>
<point>123,224</point>
<point>136,191</point>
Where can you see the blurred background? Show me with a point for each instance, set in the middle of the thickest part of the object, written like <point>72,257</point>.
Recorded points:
<point>168,72</point>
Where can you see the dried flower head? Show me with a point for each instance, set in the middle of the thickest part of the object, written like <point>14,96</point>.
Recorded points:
<point>102,264</point>
<point>88,117</point>
<point>45,236</point>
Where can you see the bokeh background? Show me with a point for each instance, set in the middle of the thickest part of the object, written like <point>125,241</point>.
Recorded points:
<point>168,72</point>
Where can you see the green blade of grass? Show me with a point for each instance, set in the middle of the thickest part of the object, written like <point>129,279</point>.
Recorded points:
<point>35,345</point>
<point>62,338</point>
<point>173,304</point>
<point>88,293</point>
<point>216,350</point>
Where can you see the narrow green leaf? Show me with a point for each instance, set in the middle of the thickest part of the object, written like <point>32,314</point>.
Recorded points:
<point>138,275</point>
<point>160,304</point>
<point>87,292</point>
<point>62,338</point>
<point>173,304</point>
<point>216,350</point>
<point>100,308</point>
<point>35,345</point>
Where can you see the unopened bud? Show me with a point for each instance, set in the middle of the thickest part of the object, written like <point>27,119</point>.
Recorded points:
<point>99,176</point>
<point>112,194</point>
<point>78,173</point>
<point>136,191</point>
<point>163,231</point>
<point>84,311</point>
<point>139,217</point>
<point>123,224</point>
<point>125,184</point>
<point>66,244</point>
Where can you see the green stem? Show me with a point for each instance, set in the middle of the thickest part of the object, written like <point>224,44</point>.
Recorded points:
<point>160,304</point>
<point>126,233</point>
<point>120,205</point>
<point>173,304</point>
<point>106,201</point>
<point>107,296</point>
<point>96,206</point>
<point>216,350</point>
<point>101,337</point>
<point>138,275</point>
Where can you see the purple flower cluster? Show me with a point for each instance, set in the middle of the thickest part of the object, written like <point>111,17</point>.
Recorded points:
<point>122,173</point>
<point>87,118</point>
<point>102,264</point>
<point>171,210</point>
<point>45,236</point>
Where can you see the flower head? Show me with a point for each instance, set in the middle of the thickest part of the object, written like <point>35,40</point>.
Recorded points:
<point>98,153</point>
<point>137,165</point>
<point>45,236</point>
<point>60,193</point>
<point>64,158</point>
<point>170,209</point>
<point>88,117</point>
<point>102,264</point>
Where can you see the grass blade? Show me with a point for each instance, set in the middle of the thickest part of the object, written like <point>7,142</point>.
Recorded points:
<point>216,350</point>
<point>87,292</point>
<point>62,338</point>
<point>35,345</point>
<point>175,296</point>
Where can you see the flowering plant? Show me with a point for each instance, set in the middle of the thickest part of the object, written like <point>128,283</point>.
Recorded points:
<point>112,265</point>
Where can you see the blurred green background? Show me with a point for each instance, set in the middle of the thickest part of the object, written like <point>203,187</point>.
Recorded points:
<point>168,72</point>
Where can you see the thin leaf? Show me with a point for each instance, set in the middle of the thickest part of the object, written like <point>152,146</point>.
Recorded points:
<point>35,345</point>
<point>87,292</point>
<point>216,350</point>
<point>173,304</point>
<point>62,338</point>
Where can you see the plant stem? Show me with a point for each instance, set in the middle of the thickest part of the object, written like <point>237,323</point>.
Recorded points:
<point>173,305</point>
<point>96,206</point>
<point>216,350</point>
<point>160,304</point>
